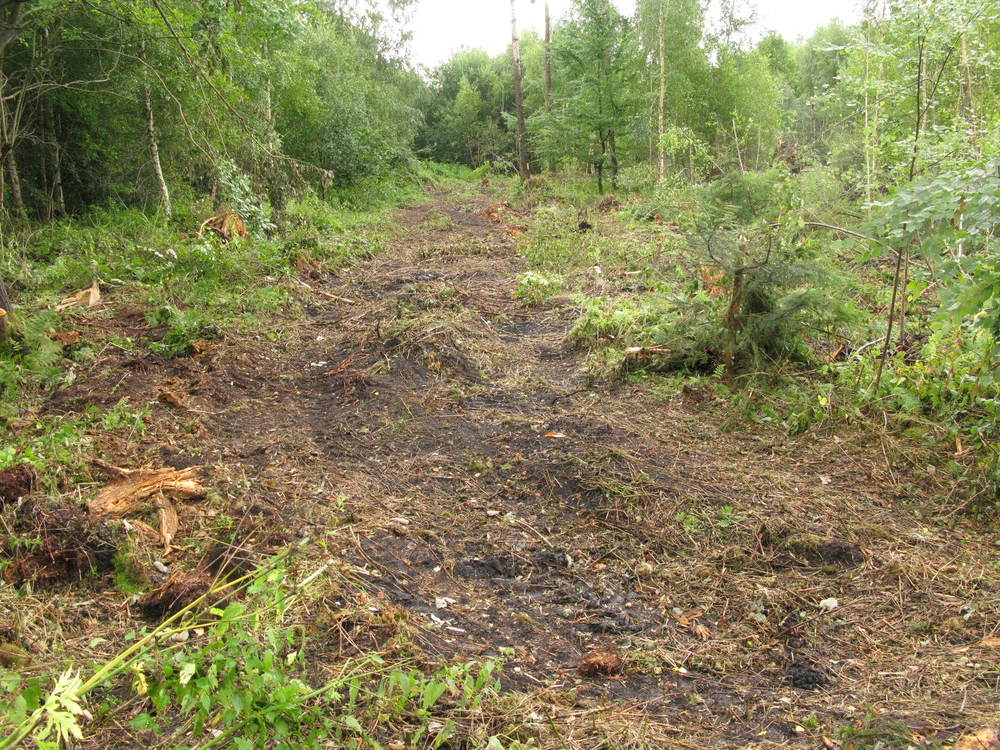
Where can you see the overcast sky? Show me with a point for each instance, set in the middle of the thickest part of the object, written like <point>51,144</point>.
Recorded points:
<point>440,27</point>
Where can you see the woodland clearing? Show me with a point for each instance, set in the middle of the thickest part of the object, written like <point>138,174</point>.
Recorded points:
<point>452,482</point>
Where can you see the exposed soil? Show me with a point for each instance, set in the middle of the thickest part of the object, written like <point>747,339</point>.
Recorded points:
<point>649,569</point>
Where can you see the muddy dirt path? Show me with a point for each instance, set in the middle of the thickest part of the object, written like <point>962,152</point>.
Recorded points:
<point>443,439</point>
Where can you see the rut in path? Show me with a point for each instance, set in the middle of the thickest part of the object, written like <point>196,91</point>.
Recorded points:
<point>444,439</point>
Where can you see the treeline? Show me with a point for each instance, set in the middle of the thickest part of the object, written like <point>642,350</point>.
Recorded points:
<point>908,88</point>
<point>149,102</point>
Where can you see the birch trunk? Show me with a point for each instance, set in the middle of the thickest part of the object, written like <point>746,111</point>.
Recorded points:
<point>661,170</point>
<point>154,153</point>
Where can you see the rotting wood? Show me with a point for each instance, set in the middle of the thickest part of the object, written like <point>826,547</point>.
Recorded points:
<point>169,521</point>
<point>5,302</point>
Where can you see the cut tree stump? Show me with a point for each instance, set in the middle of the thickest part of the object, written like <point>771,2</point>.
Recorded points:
<point>137,487</point>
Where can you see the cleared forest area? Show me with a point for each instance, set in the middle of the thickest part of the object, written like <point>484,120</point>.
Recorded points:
<point>634,388</point>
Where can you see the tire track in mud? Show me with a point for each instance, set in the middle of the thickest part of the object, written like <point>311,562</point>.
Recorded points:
<point>520,508</point>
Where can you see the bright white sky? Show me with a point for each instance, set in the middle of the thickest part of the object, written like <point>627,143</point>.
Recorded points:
<point>441,27</point>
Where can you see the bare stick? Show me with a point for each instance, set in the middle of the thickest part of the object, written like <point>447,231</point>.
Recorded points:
<point>888,329</point>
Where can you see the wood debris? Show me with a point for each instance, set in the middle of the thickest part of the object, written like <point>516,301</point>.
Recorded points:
<point>136,487</point>
<point>226,225</point>
<point>174,398</point>
<point>84,298</point>
<point>180,590</point>
<point>602,662</point>
<point>984,739</point>
<point>66,338</point>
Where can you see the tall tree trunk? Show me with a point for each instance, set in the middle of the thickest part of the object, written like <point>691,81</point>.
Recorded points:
<point>522,155</point>
<point>548,58</point>
<point>57,179</point>
<point>661,169</point>
<point>15,185</point>
<point>600,163</point>
<point>154,153</point>
<point>548,71</point>
<point>967,102</point>
<point>613,156</point>
<point>57,199</point>
<point>869,146</point>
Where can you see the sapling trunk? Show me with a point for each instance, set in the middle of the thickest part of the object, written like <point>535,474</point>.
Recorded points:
<point>15,185</point>
<point>661,170</point>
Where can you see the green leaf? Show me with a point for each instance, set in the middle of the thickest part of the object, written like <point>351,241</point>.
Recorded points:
<point>352,723</point>
<point>187,672</point>
<point>432,693</point>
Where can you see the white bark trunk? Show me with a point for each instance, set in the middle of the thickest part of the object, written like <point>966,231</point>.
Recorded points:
<point>154,153</point>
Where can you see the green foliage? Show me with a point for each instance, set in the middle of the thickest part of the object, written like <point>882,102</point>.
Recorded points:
<point>184,328</point>
<point>598,53</point>
<point>236,193</point>
<point>534,287</point>
<point>242,681</point>
<point>953,215</point>
<point>678,334</point>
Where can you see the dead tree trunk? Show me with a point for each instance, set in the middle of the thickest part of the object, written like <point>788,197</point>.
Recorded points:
<point>5,303</point>
<point>522,155</point>
<point>154,153</point>
<point>58,197</point>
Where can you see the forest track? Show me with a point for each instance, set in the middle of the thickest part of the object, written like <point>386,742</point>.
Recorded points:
<point>444,440</point>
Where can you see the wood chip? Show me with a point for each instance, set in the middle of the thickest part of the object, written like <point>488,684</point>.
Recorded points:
<point>175,399</point>
<point>602,662</point>
<point>66,338</point>
<point>169,522</point>
<point>984,739</point>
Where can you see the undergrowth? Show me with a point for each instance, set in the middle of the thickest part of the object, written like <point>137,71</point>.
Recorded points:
<point>240,677</point>
<point>740,280</point>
